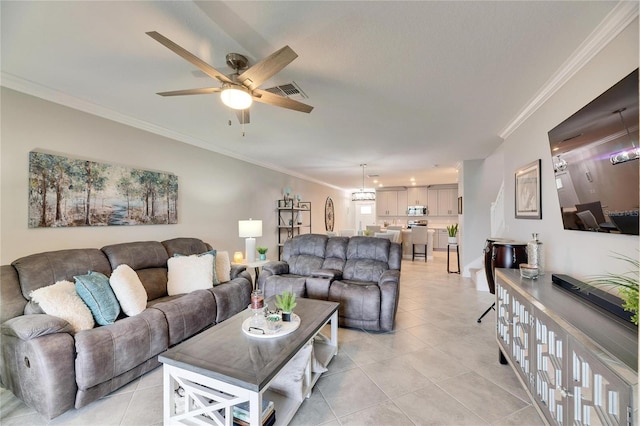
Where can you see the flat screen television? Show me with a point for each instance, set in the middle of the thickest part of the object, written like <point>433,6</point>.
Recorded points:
<point>595,155</point>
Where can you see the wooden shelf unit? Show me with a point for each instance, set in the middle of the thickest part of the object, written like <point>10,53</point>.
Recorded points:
<point>294,218</point>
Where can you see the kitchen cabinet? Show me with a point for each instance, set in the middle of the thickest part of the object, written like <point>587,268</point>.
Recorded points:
<point>448,202</point>
<point>441,239</point>
<point>403,204</point>
<point>391,203</point>
<point>443,201</point>
<point>418,196</point>
<point>578,364</point>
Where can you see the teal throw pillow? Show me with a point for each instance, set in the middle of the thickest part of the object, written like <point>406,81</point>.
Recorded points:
<point>216,281</point>
<point>95,291</point>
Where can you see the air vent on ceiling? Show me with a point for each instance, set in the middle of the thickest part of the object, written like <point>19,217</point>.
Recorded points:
<point>288,90</point>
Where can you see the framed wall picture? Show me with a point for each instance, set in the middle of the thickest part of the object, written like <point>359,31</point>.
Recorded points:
<point>69,192</point>
<point>528,203</point>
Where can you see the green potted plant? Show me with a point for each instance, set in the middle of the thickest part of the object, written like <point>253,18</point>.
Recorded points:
<point>626,283</point>
<point>286,302</point>
<point>263,252</point>
<point>453,233</point>
<point>274,321</point>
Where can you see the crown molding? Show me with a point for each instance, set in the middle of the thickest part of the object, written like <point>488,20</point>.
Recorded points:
<point>623,14</point>
<point>16,83</point>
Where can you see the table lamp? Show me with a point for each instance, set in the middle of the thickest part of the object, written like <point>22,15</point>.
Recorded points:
<point>249,229</point>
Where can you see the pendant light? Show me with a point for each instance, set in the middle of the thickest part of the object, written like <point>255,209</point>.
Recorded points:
<point>629,154</point>
<point>363,195</point>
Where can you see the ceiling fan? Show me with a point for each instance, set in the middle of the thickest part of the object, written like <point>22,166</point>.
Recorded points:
<point>239,90</point>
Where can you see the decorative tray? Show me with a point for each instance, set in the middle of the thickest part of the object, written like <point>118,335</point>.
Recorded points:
<point>264,333</point>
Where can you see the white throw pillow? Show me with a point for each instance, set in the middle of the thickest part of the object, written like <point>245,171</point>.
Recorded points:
<point>189,273</point>
<point>223,266</point>
<point>61,300</point>
<point>128,290</point>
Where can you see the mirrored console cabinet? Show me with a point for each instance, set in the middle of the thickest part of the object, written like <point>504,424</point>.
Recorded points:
<point>578,363</point>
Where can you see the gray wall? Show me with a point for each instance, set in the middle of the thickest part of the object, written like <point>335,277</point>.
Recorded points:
<point>575,253</point>
<point>215,191</point>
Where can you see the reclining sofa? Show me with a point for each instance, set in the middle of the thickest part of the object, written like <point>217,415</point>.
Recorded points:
<point>361,273</point>
<point>52,369</point>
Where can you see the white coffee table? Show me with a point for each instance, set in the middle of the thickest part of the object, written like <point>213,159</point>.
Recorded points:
<point>223,366</point>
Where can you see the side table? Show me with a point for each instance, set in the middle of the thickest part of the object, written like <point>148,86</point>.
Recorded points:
<point>449,246</point>
<point>256,267</point>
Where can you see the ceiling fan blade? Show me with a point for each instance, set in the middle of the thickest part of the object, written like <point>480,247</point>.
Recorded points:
<point>271,99</point>
<point>190,57</point>
<point>267,68</point>
<point>243,116</point>
<point>203,91</point>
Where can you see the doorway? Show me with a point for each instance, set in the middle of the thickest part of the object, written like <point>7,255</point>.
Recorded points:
<point>365,214</point>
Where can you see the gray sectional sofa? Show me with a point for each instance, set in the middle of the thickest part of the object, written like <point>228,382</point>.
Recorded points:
<point>52,369</point>
<point>361,273</point>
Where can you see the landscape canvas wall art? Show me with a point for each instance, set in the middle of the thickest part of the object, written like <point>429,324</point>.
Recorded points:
<point>67,192</point>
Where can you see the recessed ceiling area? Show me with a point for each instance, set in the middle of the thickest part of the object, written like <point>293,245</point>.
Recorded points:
<point>412,89</point>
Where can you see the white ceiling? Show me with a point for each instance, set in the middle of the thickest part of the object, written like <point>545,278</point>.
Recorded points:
<point>410,88</point>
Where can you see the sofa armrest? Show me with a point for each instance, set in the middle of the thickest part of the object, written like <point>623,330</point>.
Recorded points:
<point>236,270</point>
<point>389,284</point>
<point>334,274</point>
<point>389,277</point>
<point>276,268</point>
<point>27,327</point>
<point>37,362</point>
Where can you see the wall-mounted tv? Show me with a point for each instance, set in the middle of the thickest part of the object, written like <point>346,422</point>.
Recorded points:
<point>595,155</point>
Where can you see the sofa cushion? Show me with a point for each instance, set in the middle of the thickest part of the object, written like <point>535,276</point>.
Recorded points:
<point>188,314</point>
<point>365,270</point>
<point>138,255</point>
<point>189,273</point>
<point>276,284</point>
<point>223,266</point>
<point>304,264</point>
<point>309,244</point>
<point>185,246</point>
<point>94,289</point>
<point>106,352</point>
<point>61,300</point>
<point>368,248</point>
<point>13,302</point>
<point>43,269</point>
<point>358,300</point>
<point>214,275</point>
<point>147,258</point>
<point>128,290</point>
<point>336,253</point>
<point>154,281</point>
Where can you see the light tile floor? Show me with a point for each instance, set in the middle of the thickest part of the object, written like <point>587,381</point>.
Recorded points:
<point>439,367</point>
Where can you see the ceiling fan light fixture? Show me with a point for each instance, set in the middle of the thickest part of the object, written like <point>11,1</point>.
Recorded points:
<point>236,96</point>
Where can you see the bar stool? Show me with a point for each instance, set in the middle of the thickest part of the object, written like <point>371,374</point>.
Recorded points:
<point>419,237</point>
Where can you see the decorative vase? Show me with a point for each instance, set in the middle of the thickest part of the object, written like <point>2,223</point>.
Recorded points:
<point>263,256</point>
<point>286,316</point>
<point>274,322</point>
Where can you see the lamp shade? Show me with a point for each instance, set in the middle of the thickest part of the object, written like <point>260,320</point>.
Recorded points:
<point>249,228</point>
<point>236,96</point>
